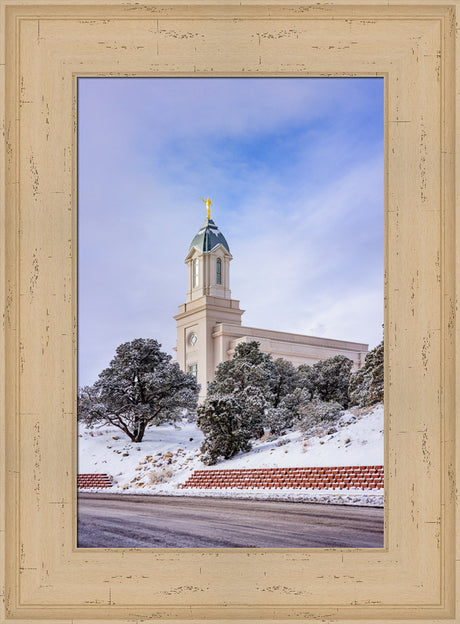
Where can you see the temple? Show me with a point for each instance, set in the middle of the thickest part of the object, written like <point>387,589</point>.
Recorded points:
<point>209,324</point>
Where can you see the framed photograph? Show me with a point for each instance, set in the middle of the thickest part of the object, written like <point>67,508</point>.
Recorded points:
<point>46,49</point>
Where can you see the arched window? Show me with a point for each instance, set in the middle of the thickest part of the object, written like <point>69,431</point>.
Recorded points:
<point>219,271</point>
<point>196,274</point>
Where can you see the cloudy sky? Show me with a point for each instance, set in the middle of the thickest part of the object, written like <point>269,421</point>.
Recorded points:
<point>294,168</point>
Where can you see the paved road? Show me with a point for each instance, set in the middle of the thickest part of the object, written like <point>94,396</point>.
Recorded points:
<point>126,521</point>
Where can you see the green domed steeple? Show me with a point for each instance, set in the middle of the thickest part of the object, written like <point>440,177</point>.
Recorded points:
<point>208,237</point>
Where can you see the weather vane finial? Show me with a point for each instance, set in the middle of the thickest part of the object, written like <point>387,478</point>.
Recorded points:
<point>208,203</point>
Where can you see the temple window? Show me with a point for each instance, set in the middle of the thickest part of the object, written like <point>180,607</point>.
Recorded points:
<point>196,274</point>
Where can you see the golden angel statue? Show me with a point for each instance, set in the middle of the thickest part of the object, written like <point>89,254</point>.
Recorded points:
<point>208,203</point>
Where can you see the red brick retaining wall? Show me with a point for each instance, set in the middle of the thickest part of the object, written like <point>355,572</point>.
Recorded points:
<point>85,481</point>
<point>342,477</point>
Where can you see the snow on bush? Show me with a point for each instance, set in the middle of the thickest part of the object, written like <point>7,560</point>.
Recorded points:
<point>366,385</point>
<point>316,415</point>
<point>160,476</point>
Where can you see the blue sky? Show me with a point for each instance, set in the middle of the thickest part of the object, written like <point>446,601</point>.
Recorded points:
<point>294,168</point>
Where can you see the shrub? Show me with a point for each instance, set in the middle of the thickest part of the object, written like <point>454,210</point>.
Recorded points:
<point>366,385</point>
<point>226,431</point>
<point>160,476</point>
<point>316,415</point>
<point>327,380</point>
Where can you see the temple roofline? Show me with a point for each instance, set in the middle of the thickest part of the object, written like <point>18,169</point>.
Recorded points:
<point>270,334</point>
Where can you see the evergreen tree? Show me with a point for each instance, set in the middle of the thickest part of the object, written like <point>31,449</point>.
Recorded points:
<point>246,377</point>
<point>221,420</point>
<point>327,380</point>
<point>288,411</point>
<point>333,378</point>
<point>140,388</point>
<point>252,392</point>
<point>366,385</point>
<point>307,379</point>
<point>316,414</point>
<point>283,380</point>
<point>234,410</point>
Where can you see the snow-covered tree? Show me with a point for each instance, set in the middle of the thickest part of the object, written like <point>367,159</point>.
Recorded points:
<point>225,429</point>
<point>252,393</point>
<point>234,410</point>
<point>282,395</point>
<point>140,388</point>
<point>327,380</point>
<point>316,414</point>
<point>307,379</point>
<point>287,413</point>
<point>283,380</point>
<point>366,385</point>
<point>277,419</point>
<point>246,377</point>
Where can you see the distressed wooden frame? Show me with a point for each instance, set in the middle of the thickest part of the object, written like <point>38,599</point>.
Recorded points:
<point>45,46</point>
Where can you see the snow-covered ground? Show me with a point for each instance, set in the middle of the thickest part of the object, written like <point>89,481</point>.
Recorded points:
<point>170,453</point>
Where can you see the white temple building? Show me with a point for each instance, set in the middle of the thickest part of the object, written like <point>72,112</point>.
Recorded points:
<point>209,323</point>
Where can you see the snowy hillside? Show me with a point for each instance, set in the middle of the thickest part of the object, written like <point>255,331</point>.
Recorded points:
<point>170,453</point>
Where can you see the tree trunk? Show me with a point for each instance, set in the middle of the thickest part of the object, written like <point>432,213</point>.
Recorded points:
<point>139,430</point>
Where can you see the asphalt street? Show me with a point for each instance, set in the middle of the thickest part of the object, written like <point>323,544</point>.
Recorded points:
<point>137,521</point>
